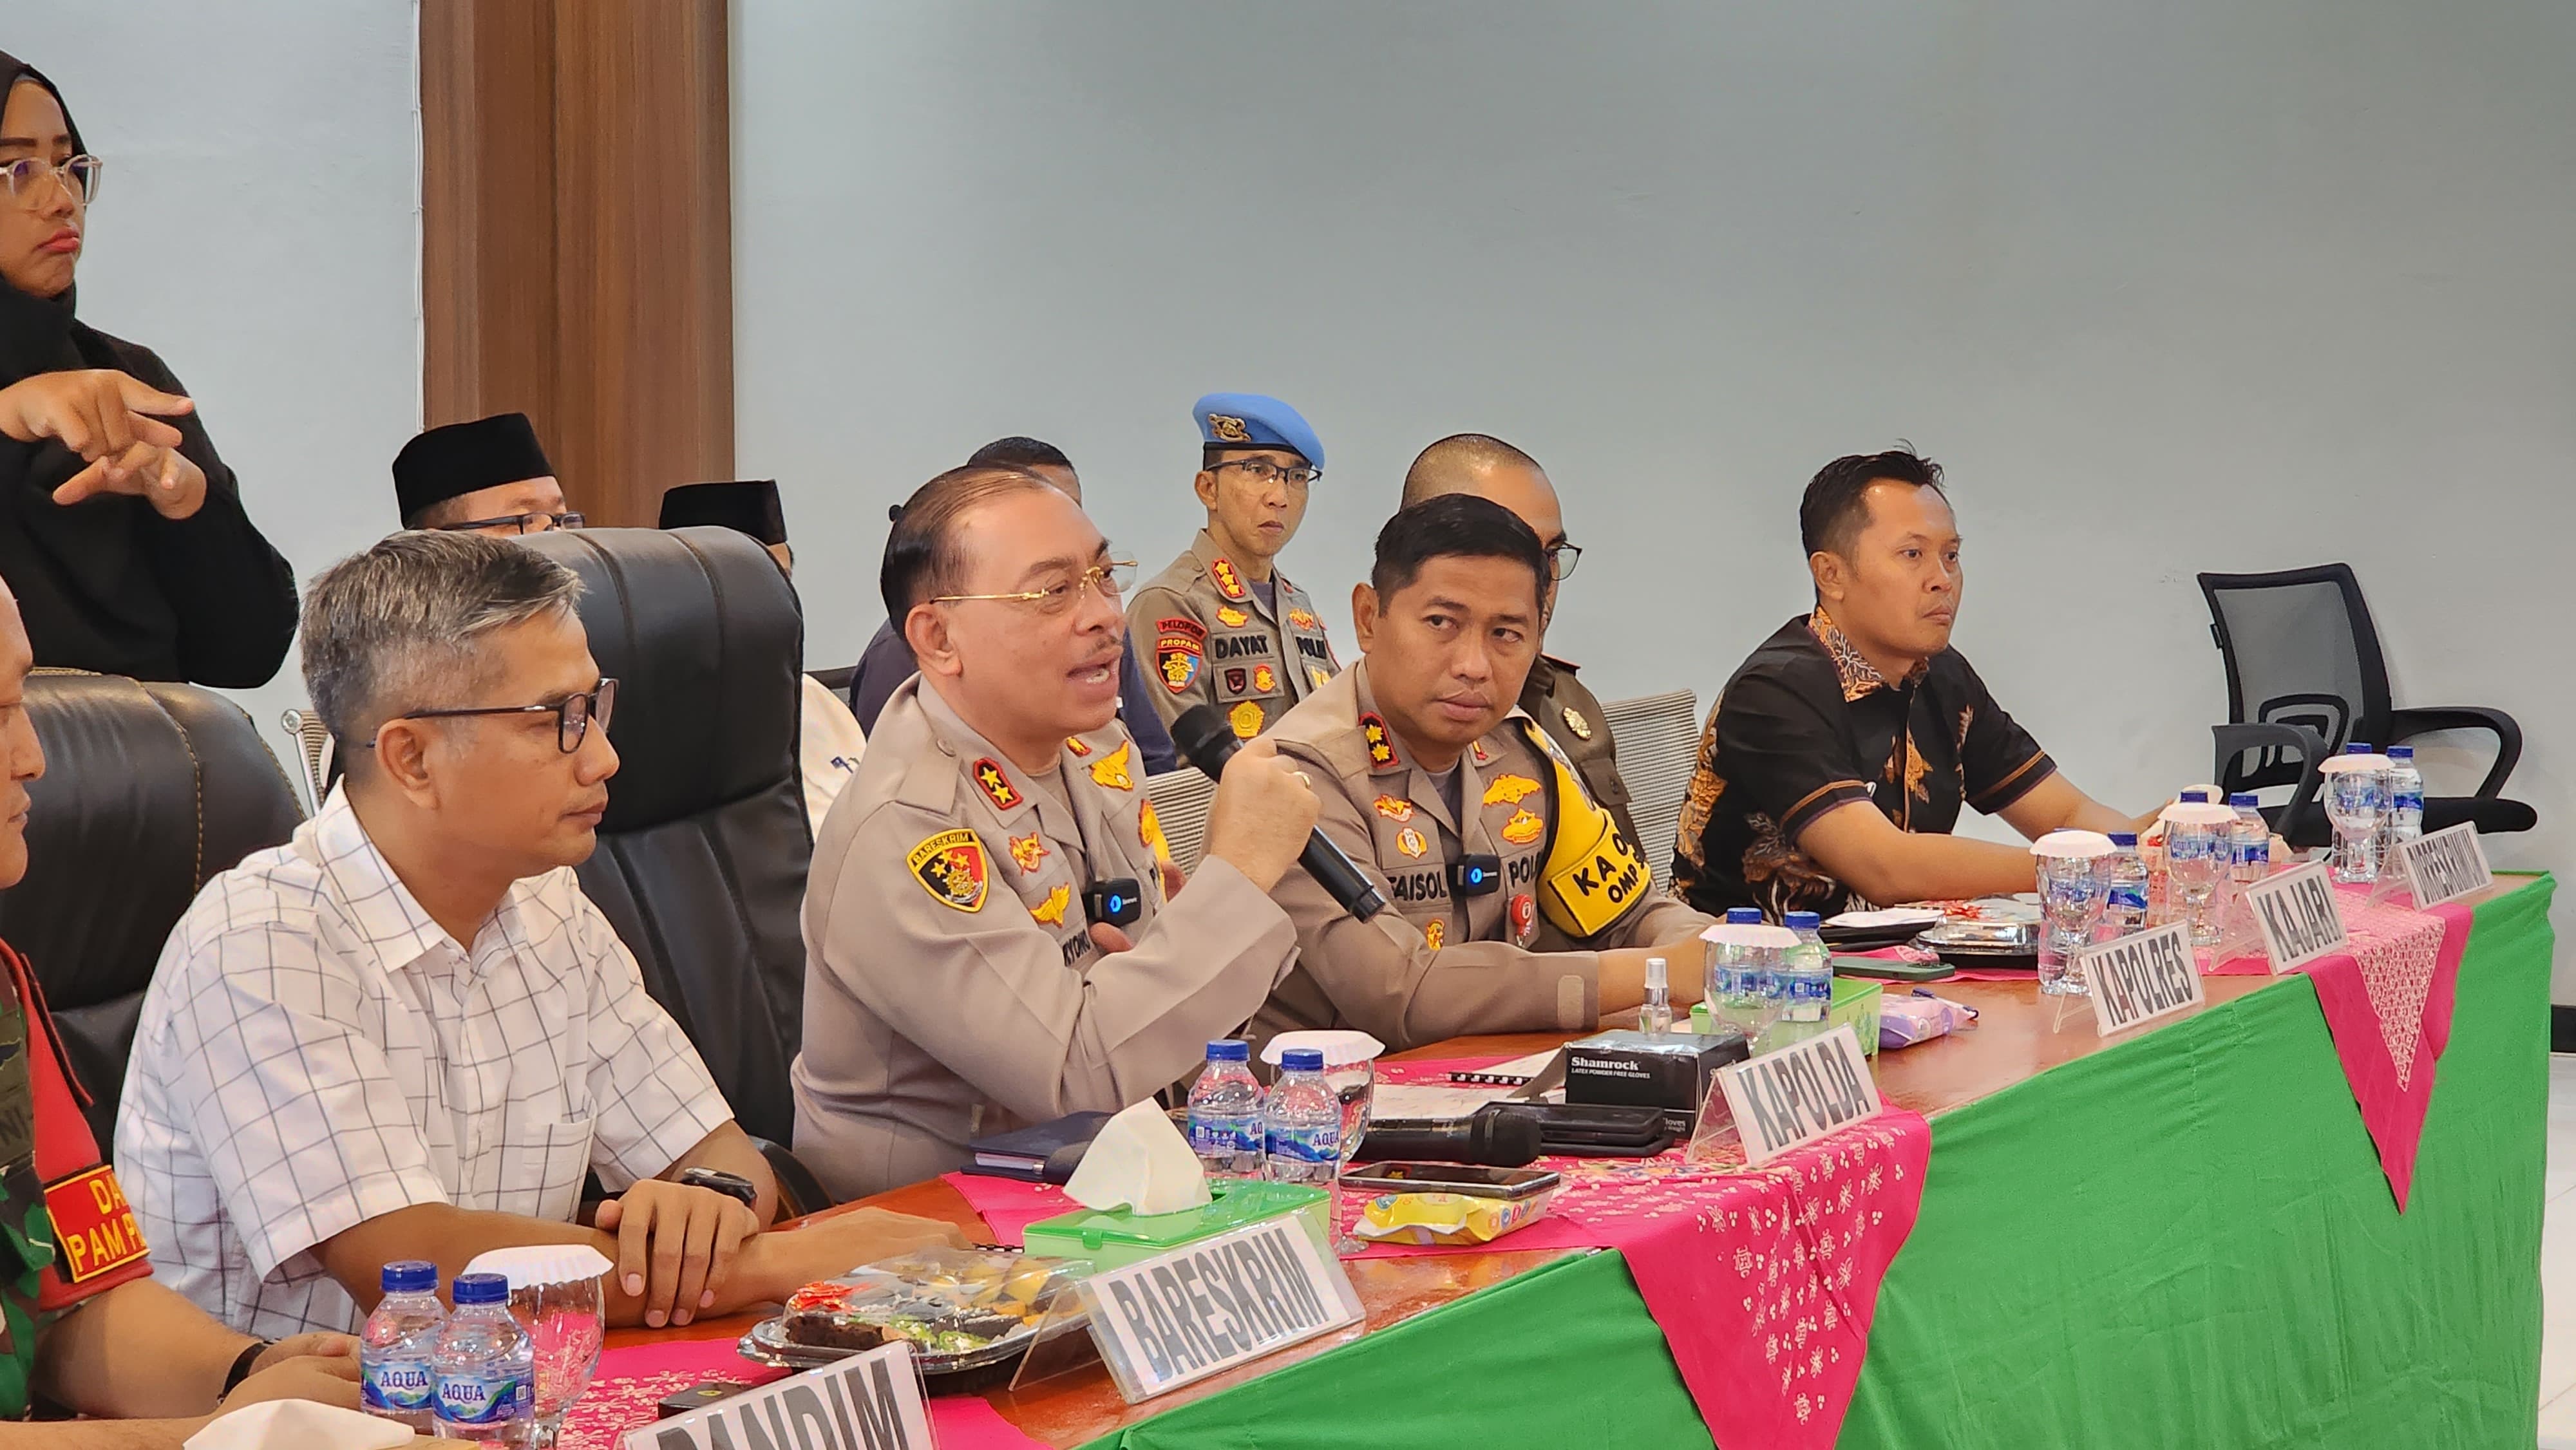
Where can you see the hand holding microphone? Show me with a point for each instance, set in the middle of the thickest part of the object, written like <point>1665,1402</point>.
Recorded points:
<point>1206,741</point>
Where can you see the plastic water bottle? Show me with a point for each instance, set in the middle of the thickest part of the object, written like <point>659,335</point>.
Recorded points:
<point>398,1343</point>
<point>1225,1112</point>
<point>1804,981</point>
<point>486,1367</point>
<point>2249,844</point>
<point>2405,802</point>
<point>2125,913</point>
<point>1739,980</point>
<point>1301,1122</point>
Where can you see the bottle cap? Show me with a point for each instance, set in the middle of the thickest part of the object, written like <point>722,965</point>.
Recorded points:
<point>2124,840</point>
<point>481,1289</point>
<point>1303,1059</point>
<point>1743,915</point>
<point>2356,748</point>
<point>2198,796</point>
<point>1656,974</point>
<point>1229,1049</point>
<point>2244,800</point>
<point>2401,752</point>
<point>411,1276</point>
<point>1802,921</point>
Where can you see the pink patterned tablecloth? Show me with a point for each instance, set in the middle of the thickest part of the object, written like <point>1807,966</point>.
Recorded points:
<point>627,1395</point>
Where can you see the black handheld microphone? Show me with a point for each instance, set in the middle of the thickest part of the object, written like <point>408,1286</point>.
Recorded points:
<point>1493,1135</point>
<point>1206,741</point>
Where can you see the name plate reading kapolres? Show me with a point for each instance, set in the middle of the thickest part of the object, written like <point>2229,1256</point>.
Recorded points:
<point>870,1401</point>
<point>1188,1313</point>
<point>2139,978</point>
<point>1799,1093</point>
<point>2446,865</point>
<point>2295,912</point>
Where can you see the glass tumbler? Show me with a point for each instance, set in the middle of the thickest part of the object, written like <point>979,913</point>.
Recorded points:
<point>2357,804</point>
<point>2196,857</point>
<point>2072,892</point>
<point>566,1323</point>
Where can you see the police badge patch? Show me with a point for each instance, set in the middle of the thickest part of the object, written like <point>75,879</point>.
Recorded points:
<point>950,866</point>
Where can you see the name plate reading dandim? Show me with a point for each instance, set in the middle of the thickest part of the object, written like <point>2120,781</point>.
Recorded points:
<point>870,1401</point>
<point>2446,865</point>
<point>1799,1093</point>
<point>2139,978</point>
<point>1191,1312</point>
<point>2295,912</point>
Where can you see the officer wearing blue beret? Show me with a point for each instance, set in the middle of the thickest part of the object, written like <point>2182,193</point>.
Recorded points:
<point>1222,626</point>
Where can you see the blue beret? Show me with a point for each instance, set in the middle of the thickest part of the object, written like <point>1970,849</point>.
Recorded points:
<point>1249,420</point>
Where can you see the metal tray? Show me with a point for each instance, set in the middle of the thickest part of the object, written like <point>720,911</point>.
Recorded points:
<point>768,1344</point>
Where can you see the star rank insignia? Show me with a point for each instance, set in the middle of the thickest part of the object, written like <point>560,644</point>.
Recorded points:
<point>996,785</point>
<point>1381,745</point>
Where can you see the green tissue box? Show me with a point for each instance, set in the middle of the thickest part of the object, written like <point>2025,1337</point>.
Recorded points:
<point>1115,1238</point>
<point>1856,1002</point>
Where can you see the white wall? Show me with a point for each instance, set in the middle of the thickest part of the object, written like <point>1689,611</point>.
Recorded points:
<point>2214,285</point>
<point>259,229</point>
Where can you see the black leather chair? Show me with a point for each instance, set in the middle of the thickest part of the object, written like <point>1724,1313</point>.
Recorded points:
<point>2305,674</point>
<point>149,791</point>
<point>702,856</point>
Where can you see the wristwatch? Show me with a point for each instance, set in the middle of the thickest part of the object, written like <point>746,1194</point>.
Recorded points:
<point>731,1185</point>
<point>241,1365</point>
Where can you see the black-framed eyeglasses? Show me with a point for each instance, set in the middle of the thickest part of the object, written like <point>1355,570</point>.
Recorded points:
<point>1262,470</point>
<point>1111,579</point>
<point>528,523</point>
<point>1561,559</point>
<point>25,177</point>
<point>574,714</point>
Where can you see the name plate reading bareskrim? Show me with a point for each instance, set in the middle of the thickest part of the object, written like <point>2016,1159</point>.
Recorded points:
<point>869,1401</point>
<point>1208,1306</point>
<point>2295,912</point>
<point>2446,865</point>
<point>1799,1093</point>
<point>2141,977</point>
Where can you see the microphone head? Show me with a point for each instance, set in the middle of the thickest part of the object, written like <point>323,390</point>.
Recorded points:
<point>1503,1138</point>
<point>1204,739</point>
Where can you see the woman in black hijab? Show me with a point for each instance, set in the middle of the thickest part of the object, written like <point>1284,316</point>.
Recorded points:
<point>120,530</point>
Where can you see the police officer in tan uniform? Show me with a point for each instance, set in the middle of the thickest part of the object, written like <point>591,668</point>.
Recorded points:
<point>1490,468</point>
<point>1221,626</point>
<point>1518,902</point>
<point>995,933</point>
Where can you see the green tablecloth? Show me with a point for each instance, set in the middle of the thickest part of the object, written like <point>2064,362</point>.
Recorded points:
<point>2183,1240</point>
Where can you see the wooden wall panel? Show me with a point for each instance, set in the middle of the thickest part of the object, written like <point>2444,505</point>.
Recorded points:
<point>577,236</point>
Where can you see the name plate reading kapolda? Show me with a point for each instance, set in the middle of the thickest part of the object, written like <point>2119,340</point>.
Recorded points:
<point>2295,912</point>
<point>2138,978</point>
<point>870,1401</point>
<point>2446,865</point>
<point>1799,1093</point>
<point>1190,1312</point>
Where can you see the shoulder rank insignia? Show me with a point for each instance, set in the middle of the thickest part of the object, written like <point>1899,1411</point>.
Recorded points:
<point>1231,617</point>
<point>1381,745</point>
<point>1575,722</point>
<point>1436,935</point>
<point>1524,827</point>
<point>996,784</point>
<point>1265,680</point>
<point>1077,745</point>
<point>950,866</point>
<point>1410,842</point>
<point>1318,676</point>
<point>1149,830</point>
<point>1180,648</point>
<point>1395,808</point>
<point>1027,851</point>
<point>1246,720</point>
<point>1111,769</point>
<point>1303,619</point>
<point>1228,582</point>
<point>1050,912</point>
<point>1509,790</point>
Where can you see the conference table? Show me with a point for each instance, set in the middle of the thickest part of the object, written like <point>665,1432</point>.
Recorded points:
<point>2180,1236</point>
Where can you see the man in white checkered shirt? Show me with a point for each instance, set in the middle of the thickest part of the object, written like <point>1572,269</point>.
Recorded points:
<point>407,1034</point>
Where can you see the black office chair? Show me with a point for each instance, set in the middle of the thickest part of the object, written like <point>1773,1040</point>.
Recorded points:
<point>149,791</point>
<point>2305,675</point>
<point>702,856</point>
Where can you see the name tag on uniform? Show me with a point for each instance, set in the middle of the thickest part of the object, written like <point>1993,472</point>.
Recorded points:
<point>1206,1307</point>
<point>2446,865</point>
<point>94,1226</point>
<point>1799,1093</point>
<point>2140,978</point>
<point>868,1401</point>
<point>2295,912</point>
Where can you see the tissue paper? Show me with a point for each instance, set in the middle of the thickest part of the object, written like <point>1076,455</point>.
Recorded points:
<point>298,1425</point>
<point>1142,1161</point>
<point>542,1264</point>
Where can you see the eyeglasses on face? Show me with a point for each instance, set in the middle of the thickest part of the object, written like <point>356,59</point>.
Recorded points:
<point>574,714</point>
<point>1561,559</point>
<point>1111,579</point>
<point>1262,470</point>
<point>25,177</point>
<point>528,523</point>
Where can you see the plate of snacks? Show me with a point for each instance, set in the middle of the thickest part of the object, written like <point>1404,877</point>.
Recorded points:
<point>968,1312</point>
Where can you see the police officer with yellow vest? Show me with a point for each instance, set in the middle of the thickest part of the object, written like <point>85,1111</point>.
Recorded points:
<point>1518,903</point>
<point>1221,626</point>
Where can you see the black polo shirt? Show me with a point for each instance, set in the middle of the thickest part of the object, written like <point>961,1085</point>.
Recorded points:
<point>1807,725</point>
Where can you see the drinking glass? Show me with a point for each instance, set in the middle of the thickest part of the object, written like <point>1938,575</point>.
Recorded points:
<point>2072,892</point>
<point>565,1323</point>
<point>2357,802</point>
<point>2196,855</point>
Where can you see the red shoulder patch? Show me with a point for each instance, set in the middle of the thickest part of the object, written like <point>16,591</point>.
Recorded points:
<point>996,784</point>
<point>1381,742</point>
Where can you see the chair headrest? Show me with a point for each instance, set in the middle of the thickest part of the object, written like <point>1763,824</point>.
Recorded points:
<point>699,628</point>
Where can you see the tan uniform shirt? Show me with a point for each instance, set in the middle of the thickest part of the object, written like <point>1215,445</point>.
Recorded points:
<point>1209,640</point>
<point>951,986</point>
<point>1437,963</point>
<point>1571,716</point>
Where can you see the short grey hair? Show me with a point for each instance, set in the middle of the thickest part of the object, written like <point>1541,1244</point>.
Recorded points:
<point>401,626</point>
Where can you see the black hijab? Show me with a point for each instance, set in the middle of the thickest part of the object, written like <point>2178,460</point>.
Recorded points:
<point>40,334</point>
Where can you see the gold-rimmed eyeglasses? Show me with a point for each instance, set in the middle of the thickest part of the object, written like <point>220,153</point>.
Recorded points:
<point>1111,579</point>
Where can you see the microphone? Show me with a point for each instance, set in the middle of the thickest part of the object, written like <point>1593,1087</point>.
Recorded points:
<point>1494,1136</point>
<point>1206,741</point>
